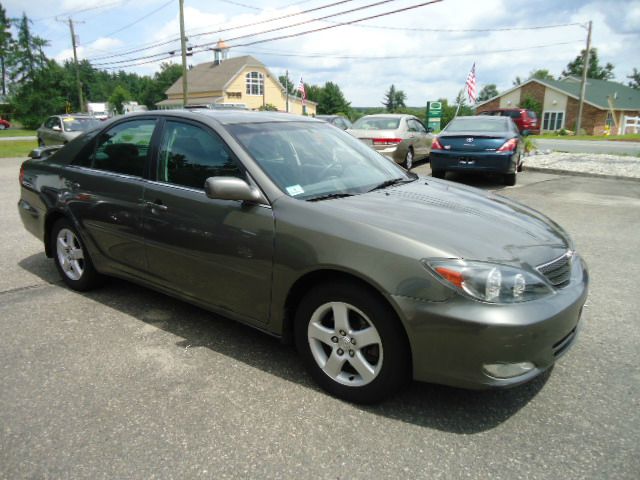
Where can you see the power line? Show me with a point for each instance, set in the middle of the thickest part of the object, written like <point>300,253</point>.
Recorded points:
<point>75,12</point>
<point>469,30</point>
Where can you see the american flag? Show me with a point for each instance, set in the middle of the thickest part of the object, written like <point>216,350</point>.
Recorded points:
<point>302,91</point>
<point>472,90</point>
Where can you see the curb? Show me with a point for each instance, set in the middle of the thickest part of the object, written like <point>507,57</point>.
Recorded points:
<point>556,171</point>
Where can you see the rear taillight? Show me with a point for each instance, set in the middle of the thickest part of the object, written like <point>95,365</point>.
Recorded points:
<point>21,177</point>
<point>436,145</point>
<point>386,141</point>
<point>509,146</point>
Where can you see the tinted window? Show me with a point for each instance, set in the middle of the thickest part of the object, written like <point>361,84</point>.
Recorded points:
<point>52,122</point>
<point>478,124</point>
<point>377,123</point>
<point>124,148</point>
<point>79,124</point>
<point>189,155</point>
<point>532,114</point>
<point>512,114</point>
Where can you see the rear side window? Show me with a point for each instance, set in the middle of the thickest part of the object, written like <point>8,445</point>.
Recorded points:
<point>512,114</point>
<point>190,154</point>
<point>124,148</point>
<point>532,114</point>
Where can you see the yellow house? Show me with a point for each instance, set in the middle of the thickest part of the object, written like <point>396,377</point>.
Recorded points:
<point>237,81</point>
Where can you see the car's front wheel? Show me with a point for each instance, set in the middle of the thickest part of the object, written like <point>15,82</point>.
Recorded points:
<point>71,257</point>
<point>352,343</point>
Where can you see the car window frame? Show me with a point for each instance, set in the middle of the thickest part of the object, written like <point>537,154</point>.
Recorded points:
<point>154,165</point>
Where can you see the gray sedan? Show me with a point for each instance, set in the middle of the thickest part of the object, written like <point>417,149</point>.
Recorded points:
<point>403,138</point>
<point>294,227</point>
<point>60,129</point>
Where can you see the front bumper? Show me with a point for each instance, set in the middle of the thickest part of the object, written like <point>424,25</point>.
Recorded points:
<point>451,341</point>
<point>461,161</point>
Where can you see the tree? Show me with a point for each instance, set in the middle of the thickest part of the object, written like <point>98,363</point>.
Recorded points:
<point>595,71</point>
<point>541,74</point>
<point>487,92</point>
<point>517,81</point>
<point>394,99</point>
<point>635,79</point>
<point>27,55</point>
<point>531,103</point>
<point>118,97</point>
<point>286,82</point>
<point>332,100</point>
<point>400,99</point>
<point>6,44</point>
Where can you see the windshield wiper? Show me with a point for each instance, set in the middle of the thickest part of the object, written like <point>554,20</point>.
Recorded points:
<point>329,196</point>
<point>393,181</point>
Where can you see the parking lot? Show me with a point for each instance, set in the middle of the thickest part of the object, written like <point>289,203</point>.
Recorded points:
<point>124,382</point>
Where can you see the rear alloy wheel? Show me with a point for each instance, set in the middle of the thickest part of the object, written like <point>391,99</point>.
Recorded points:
<point>408,159</point>
<point>71,258</point>
<point>438,173</point>
<point>352,343</point>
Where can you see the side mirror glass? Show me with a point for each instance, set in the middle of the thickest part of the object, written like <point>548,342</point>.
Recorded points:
<point>232,188</point>
<point>56,128</point>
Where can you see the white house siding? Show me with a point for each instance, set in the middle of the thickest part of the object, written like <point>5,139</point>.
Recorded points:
<point>551,96</point>
<point>511,99</point>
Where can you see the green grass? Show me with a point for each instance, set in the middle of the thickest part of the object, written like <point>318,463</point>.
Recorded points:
<point>17,132</point>
<point>631,137</point>
<point>16,148</point>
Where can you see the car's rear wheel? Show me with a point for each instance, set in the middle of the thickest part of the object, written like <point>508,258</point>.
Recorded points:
<point>408,159</point>
<point>71,257</point>
<point>438,173</point>
<point>352,342</point>
<point>509,179</point>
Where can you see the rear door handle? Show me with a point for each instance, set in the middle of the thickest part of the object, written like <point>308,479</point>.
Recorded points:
<point>158,205</point>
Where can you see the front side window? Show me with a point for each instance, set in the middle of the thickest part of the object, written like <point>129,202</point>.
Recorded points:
<point>189,155</point>
<point>254,83</point>
<point>52,122</point>
<point>79,124</point>
<point>124,148</point>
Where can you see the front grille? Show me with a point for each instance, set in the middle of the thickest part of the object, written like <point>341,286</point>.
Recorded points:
<point>564,343</point>
<point>558,271</point>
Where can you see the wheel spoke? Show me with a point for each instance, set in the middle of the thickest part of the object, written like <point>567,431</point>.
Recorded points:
<point>320,333</point>
<point>61,243</point>
<point>69,238</point>
<point>340,317</point>
<point>64,263</point>
<point>76,254</point>
<point>368,336</point>
<point>75,267</point>
<point>334,364</point>
<point>364,368</point>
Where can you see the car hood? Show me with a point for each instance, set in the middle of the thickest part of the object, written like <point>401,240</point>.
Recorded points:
<point>446,220</point>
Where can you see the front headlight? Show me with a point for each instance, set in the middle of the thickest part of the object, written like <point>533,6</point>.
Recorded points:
<point>489,282</point>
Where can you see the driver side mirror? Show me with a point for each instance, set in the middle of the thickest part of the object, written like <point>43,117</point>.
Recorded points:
<point>56,128</point>
<point>232,188</point>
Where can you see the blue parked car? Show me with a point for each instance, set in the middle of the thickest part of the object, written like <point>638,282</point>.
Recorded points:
<point>481,144</point>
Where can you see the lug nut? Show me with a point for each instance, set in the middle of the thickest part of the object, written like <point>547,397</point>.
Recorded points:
<point>340,351</point>
<point>351,353</point>
<point>343,333</point>
<point>353,341</point>
<point>334,339</point>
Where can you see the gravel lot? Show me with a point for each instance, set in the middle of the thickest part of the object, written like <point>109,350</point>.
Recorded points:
<point>124,382</point>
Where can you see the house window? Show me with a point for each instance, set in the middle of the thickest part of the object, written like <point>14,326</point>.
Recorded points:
<point>255,83</point>
<point>553,121</point>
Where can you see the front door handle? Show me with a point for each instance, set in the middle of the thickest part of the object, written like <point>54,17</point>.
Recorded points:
<point>157,205</point>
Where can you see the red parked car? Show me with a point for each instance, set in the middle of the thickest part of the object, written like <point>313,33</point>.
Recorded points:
<point>4,124</point>
<point>523,118</point>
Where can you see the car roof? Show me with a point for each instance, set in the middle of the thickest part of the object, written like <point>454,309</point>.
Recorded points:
<point>390,115</point>
<point>483,118</point>
<point>229,117</point>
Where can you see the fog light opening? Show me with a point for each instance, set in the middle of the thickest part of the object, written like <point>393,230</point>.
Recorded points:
<point>507,370</point>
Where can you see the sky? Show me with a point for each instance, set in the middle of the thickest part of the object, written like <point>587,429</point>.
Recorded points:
<point>427,52</point>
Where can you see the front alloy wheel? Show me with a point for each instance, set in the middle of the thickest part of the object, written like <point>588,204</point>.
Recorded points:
<point>352,342</point>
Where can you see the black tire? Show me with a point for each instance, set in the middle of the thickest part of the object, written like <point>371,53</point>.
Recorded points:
<point>391,357</point>
<point>408,159</point>
<point>438,173</point>
<point>88,278</point>
<point>509,179</point>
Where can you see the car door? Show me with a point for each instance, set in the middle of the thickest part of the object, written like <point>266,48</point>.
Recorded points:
<point>419,134</point>
<point>107,181</point>
<point>48,131</point>
<point>218,252</point>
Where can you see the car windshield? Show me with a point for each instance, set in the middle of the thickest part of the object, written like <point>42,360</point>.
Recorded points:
<point>76,124</point>
<point>376,123</point>
<point>315,160</point>
<point>477,124</point>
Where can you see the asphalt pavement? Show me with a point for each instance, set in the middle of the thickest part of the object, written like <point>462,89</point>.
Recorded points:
<point>611,147</point>
<point>123,382</point>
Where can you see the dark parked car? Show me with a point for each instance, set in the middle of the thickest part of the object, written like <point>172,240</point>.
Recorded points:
<point>296,228</point>
<point>525,120</point>
<point>337,120</point>
<point>478,144</point>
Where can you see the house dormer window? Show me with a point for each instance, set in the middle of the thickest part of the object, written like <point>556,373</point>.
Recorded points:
<point>255,83</point>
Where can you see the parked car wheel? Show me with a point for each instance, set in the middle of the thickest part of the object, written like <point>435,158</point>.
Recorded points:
<point>408,159</point>
<point>71,257</point>
<point>40,142</point>
<point>438,173</point>
<point>509,179</point>
<point>352,343</point>
<point>2,126</point>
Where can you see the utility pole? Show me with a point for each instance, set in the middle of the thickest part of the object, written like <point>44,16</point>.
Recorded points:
<point>583,85</point>
<point>75,61</point>
<point>286,87</point>
<point>183,46</point>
